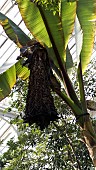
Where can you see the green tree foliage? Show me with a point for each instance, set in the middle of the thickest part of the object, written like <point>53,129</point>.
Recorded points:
<point>57,147</point>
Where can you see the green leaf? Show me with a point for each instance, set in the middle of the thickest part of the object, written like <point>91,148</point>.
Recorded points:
<point>68,13</point>
<point>7,81</point>
<point>69,60</point>
<point>39,26</point>
<point>55,32</point>
<point>13,31</point>
<point>21,71</point>
<point>8,78</point>
<point>33,20</point>
<point>48,27</point>
<point>87,15</point>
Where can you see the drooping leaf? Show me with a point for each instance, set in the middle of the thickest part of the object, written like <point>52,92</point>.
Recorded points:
<point>47,26</point>
<point>86,12</point>
<point>16,35</point>
<point>33,20</point>
<point>7,80</point>
<point>13,31</point>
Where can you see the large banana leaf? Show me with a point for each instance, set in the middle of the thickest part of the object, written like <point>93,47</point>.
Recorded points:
<point>86,12</point>
<point>15,34</point>
<point>68,13</point>
<point>86,15</point>
<point>33,20</point>
<point>8,78</point>
<point>46,27</point>
<point>13,31</point>
<point>7,81</point>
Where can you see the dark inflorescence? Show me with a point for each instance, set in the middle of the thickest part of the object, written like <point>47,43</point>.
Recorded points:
<point>40,107</point>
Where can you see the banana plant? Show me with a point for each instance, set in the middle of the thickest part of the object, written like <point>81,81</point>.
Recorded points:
<point>52,24</point>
